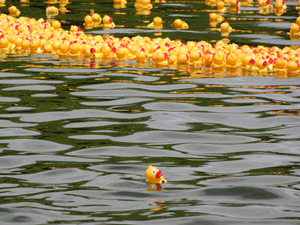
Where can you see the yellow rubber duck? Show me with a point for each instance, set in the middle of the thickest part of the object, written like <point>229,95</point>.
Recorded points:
<point>4,43</point>
<point>294,31</point>
<point>180,24</point>
<point>156,24</point>
<point>211,2</point>
<point>97,19</point>
<point>106,51</point>
<point>245,62</point>
<point>118,4</point>
<point>17,41</point>
<point>160,58</point>
<point>234,6</point>
<point>221,7</point>
<point>232,61</point>
<point>195,58</point>
<point>34,46</point>
<point>279,7</point>
<point>154,175</point>
<point>51,11</point>
<point>14,11</point>
<point>74,49</point>
<point>88,22</point>
<point>56,24</point>
<point>147,5</point>
<point>138,5</point>
<point>293,66</point>
<point>225,29</point>
<point>280,65</point>
<point>177,24</point>
<point>141,56</point>
<point>219,60</point>
<point>297,7</point>
<point>209,58</point>
<point>214,19</point>
<point>64,49</point>
<point>25,45</point>
<point>265,5</point>
<point>2,3</point>
<point>48,49</point>
<point>122,53</point>
<point>183,58</point>
<point>107,22</point>
<point>263,66</point>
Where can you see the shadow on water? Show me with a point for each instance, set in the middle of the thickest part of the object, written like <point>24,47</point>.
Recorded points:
<point>76,136</point>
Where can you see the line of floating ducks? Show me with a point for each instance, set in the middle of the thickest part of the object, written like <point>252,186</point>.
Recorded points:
<point>30,36</point>
<point>265,5</point>
<point>94,19</point>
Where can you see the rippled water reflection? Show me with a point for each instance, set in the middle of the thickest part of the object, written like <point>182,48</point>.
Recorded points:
<point>76,141</point>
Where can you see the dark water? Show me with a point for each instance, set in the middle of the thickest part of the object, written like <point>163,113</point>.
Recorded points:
<point>76,141</point>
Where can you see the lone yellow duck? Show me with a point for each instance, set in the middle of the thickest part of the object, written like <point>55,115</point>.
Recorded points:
<point>154,175</point>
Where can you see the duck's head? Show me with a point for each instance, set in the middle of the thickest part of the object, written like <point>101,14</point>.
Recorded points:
<point>154,175</point>
<point>294,28</point>
<point>220,5</point>
<point>224,27</point>
<point>177,23</point>
<point>292,66</point>
<point>261,64</point>
<point>232,59</point>
<point>157,21</point>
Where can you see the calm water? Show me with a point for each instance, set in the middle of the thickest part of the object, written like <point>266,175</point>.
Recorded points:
<point>76,141</point>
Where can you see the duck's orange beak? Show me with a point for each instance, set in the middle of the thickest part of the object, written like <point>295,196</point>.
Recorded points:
<point>158,174</point>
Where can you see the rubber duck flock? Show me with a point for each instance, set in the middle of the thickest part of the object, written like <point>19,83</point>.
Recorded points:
<point>30,36</point>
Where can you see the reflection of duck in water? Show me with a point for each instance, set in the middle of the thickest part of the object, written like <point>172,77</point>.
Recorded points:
<point>246,2</point>
<point>51,11</point>
<point>279,7</point>
<point>294,31</point>
<point>221,7</point>
<point>154,187</point>
<point>265,5</point>
<point>154,175</point>
<point>234,6</point>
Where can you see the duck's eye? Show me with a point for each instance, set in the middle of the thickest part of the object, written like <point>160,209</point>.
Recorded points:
<point>153,171</point>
